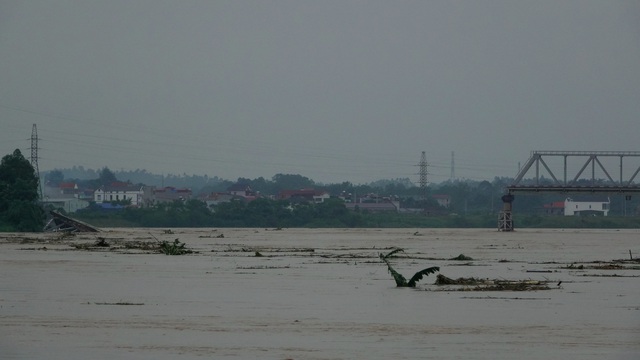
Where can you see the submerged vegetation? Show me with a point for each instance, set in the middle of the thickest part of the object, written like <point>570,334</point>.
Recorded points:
<point>401,281</point>
<point>173,248</point>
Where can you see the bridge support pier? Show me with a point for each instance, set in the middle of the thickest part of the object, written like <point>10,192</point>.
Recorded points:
<point>505,219</point>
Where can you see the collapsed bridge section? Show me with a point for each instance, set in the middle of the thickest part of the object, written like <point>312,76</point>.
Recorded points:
<point>60,222</point>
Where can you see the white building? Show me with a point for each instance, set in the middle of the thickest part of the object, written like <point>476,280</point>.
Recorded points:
<point>572,208</point>
<point>443,200</point>
<point>133,193</point>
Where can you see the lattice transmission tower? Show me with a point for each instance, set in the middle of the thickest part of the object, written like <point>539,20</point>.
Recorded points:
<point>34,157</point>
<point>423,177</point>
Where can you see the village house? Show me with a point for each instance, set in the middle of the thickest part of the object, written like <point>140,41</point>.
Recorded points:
<point>239,189</point>
<point>304,195</point>
<point>108,194</point>
<point>383,206</point>
<point>570,207</point>
<point>68,188</point>
<point>443,200</point>
<point>554,208</point>
<point>346,197</point>
<point>374,203</point>
<point>170,194</point>
<point>67,196</point>
<point>216,198</point>
<point>62,190</point>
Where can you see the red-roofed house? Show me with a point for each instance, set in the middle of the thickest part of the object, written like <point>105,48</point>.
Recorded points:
<point>239,189</point>
<point>170,194</point>
<point>68,188</point>
<point>554,208</point>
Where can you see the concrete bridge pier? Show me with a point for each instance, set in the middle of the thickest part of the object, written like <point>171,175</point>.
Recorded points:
<point>505,218</point>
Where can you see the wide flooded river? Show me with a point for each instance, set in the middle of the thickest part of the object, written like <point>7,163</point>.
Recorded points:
<point>320,294</point>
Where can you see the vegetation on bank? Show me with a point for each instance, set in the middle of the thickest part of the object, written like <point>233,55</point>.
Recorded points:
<point>19,208</point>
<point>265,213</point>
<point>474,204</point>
<point>465,196</point>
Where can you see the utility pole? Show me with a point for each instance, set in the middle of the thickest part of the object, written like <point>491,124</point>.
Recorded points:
<point>34,157</point>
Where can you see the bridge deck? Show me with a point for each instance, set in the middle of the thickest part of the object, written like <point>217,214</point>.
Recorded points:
<point>574,189</point>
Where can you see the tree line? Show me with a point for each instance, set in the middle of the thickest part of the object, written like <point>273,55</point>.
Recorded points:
<point>472,203</point>
<point>276,214</point>
<point>467,197</point>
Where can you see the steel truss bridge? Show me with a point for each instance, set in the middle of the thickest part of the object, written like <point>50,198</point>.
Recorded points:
<point>578,183</point>
<point>583,181</point>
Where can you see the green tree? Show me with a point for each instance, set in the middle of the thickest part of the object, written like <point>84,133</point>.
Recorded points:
<point>19,209</point>
<point>291,182</point>
<point>481,196</point>
<point>54,177</point>
<point>107,177</point>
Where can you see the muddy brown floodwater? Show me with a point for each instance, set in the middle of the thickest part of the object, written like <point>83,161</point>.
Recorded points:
<point>319,294</point>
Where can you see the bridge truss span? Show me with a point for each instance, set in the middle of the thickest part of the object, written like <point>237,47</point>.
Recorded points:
<point>575,177</point>
<point>578,179</point>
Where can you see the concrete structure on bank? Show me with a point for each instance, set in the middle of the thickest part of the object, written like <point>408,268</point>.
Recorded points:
<point>570,207</point>
<point>576,208</point>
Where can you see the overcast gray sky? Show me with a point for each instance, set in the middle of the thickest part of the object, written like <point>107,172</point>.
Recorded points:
<point>332,90</point>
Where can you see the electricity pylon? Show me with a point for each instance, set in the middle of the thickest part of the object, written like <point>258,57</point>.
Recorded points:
<point>34,157</point>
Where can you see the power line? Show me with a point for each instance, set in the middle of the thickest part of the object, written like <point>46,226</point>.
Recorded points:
<point>225,153</point>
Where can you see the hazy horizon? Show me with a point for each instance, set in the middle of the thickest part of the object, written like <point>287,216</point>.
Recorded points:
<point>332,90</point>
<point>91,174</point>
